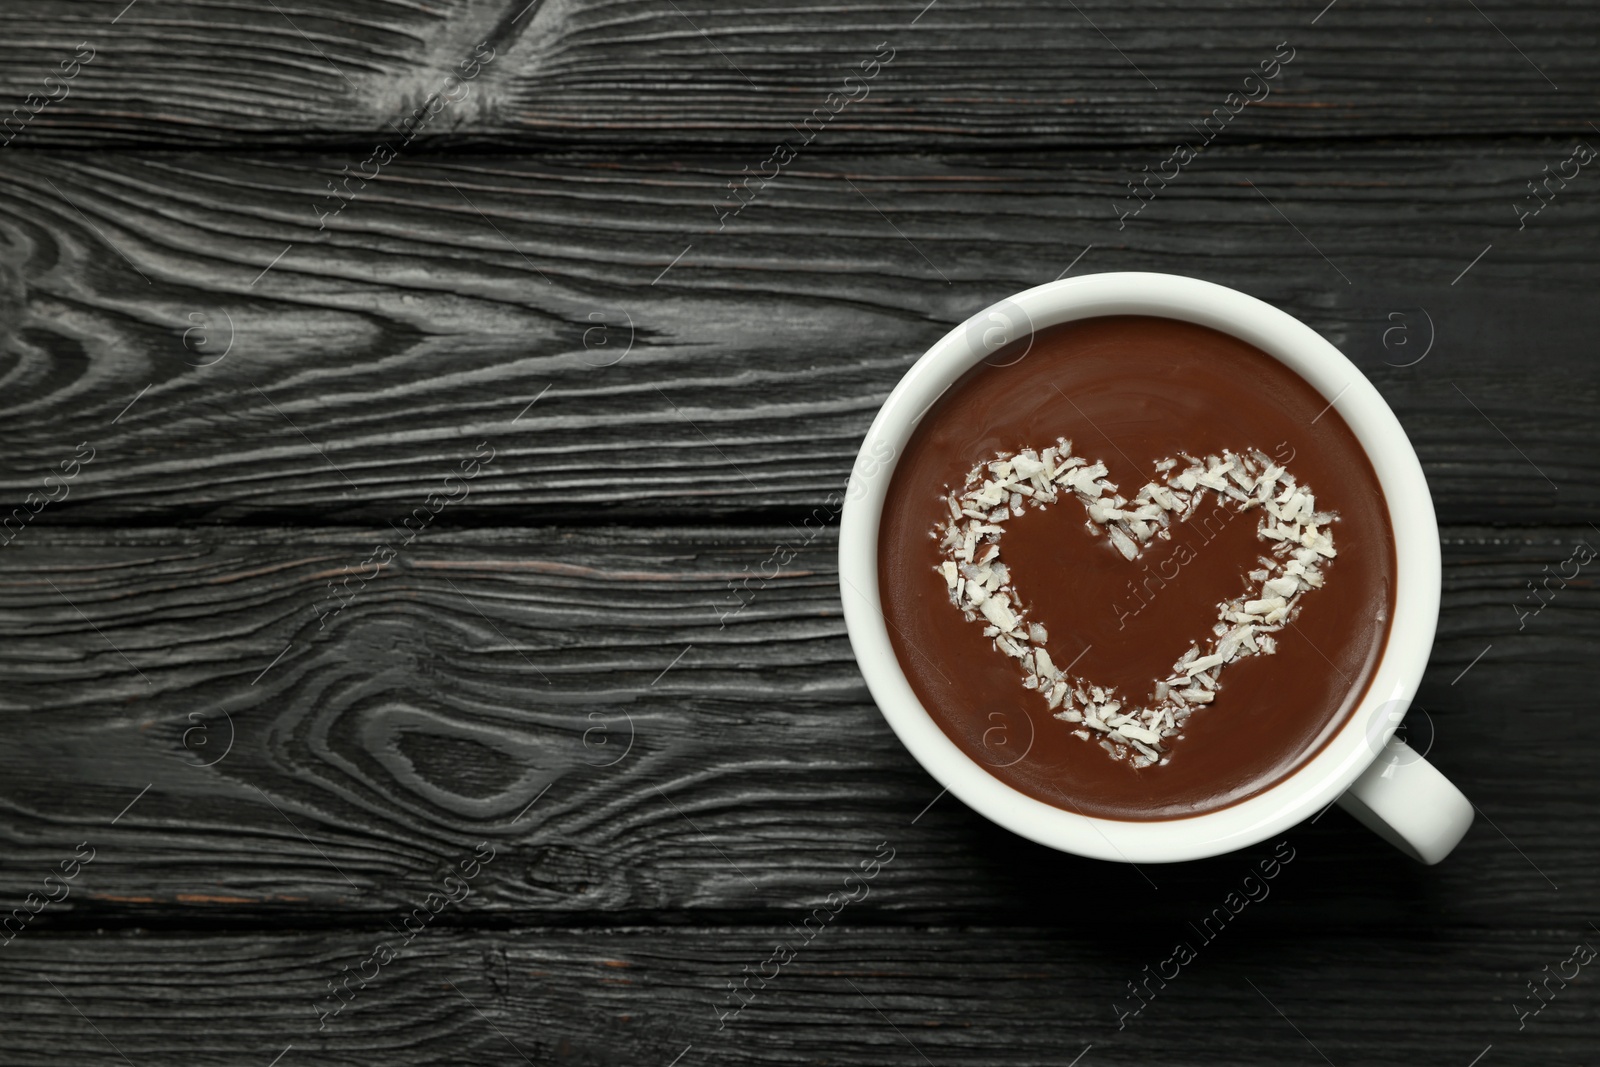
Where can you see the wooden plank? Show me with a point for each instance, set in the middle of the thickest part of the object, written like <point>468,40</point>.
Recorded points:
<point>199,73</point>
<point>170,699</point>
<point>1025,75</point>
<point>1032,993</point>
<point>227,360</point>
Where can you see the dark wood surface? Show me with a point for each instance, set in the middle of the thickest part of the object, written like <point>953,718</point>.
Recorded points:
<point>964,75</point>
<point>269,787</point>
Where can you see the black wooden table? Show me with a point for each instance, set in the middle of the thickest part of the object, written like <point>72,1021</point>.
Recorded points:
<point>397,398</point>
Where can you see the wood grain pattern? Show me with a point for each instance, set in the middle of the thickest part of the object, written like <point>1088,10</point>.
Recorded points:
<point>271,384</point>
<point>678,765</point>
<point>963,74</point>
<point>855,994</point>
<point>368,357</point>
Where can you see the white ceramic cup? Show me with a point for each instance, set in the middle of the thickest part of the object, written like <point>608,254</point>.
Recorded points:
<point>1370,773</point>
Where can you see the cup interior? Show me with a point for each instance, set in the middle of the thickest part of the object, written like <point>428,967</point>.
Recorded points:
<point>1358,742</point>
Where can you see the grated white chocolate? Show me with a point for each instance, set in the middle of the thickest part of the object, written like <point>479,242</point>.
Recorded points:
<point>1299,543</point>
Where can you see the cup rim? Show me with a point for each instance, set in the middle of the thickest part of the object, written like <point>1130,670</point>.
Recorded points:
<point>1315,783</point>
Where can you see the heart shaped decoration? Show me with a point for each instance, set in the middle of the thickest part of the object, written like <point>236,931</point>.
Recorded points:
<point>1297,541</point>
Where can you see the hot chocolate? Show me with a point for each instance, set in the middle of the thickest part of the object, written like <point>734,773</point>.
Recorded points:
<point>1135,567</point>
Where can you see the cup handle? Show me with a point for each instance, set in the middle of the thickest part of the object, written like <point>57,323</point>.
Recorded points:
<point>1405,800</point>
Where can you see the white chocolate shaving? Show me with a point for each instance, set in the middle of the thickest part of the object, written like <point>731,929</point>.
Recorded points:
<point>1298,538</point>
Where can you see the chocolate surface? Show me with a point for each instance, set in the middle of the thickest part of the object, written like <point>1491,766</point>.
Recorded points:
<point>1130,391</point>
